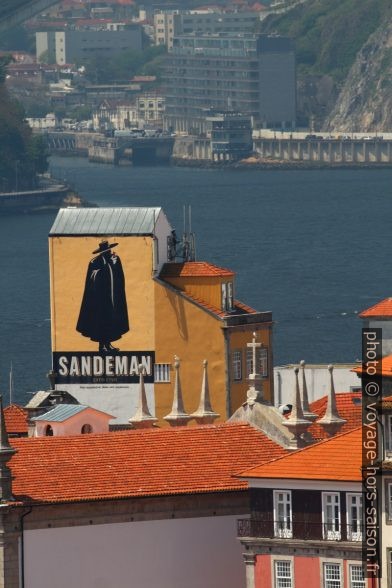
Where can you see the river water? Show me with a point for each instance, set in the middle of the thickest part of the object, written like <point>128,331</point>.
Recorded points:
<point>312,246</point>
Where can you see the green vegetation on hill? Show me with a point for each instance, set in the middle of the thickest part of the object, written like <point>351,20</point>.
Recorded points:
<point>122,68</point>
<point>329,33</point>
<point>22,155</point>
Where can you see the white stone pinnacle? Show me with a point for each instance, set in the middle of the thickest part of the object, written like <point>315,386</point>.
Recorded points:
<point>304,396</point>
<point>142,418</point>
<point>331,421</point>
<point>204,414</point>
<point>177,416</point>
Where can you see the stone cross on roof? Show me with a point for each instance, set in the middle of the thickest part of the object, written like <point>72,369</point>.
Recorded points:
<point>255,390</point>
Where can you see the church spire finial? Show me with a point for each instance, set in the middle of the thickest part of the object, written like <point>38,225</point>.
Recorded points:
<point>204,415</point>
<point>6,452</point>
<point>177,416</point>
<point>142,419</point>
<point>331,421</point>
<point>296,422</point>
<point>311,416</point>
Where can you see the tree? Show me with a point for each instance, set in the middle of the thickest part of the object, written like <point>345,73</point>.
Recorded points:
<point>123,67</point>
<point>38,153</point>
<point>22,155</point>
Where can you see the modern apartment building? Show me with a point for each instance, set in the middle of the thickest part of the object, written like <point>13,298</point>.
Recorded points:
<point>168,24</point>
<point>63,47</point>
<point>252,74</point>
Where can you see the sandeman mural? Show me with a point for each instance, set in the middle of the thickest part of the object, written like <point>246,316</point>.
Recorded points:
<point>102,309</point>
<point>103,314</point>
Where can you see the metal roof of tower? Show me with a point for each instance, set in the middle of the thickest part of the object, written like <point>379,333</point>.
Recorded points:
<point>62,412</point>
<point>105,221</point>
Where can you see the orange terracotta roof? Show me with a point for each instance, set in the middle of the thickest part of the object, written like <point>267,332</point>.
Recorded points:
<point>15,419</point>
<point>217,311</point>
<point>338,458</point>
<point>193,269</point>
<point>137,463</point>
<point>384,367</point>
<point>349,408</point>
<point>386,403</point>
<point>383,308</point>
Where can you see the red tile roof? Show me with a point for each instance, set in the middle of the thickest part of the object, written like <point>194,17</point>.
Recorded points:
<point>193,269</point>
<point>15,419</point>
<point>348,409</point>
<point>385,366</point>
<point>338,459</point>
<point>383,308</point>
<point>137,463</point>
<point>386,403</point>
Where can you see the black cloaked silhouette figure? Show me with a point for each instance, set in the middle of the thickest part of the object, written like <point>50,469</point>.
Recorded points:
<point>103,313</point>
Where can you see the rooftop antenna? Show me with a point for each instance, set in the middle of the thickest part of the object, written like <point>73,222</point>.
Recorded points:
<point>11,390</point>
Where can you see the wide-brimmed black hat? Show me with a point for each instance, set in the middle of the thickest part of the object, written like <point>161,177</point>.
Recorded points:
<point>104,246</point>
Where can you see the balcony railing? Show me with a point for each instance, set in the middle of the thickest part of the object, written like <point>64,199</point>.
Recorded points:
<point>303,530</point>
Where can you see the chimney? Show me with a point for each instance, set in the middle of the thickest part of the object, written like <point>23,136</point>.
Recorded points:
<point>296,423</point>
<point>177,416</point>
<point>142,419</point>
<point>204,414</point>
<point>311,416</point>
<point>331,421</point>
<point>6,452</point>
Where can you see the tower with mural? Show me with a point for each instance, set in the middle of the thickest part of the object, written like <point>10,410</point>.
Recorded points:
<point>120,299</point>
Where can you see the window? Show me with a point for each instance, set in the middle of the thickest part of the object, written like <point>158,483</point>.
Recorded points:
<point>237,365</point>
<point>224,296</point>
<point>389,563</point>
<point>282,514</point>
<point>49,431</point>
<point>357,577</point>
<point>230,301</point>
<point>283,574</point>
<point>354,517</point>
<point>331,516</point>
<point>86,429</point>
<point>389,433</point>
<point>332,576</point>
<point>162,372</point>
<point>262,360</point>
<point>389,505</point>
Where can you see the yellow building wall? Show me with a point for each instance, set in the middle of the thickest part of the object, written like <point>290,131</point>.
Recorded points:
<point>69,258</point>
<point>205,288</point>
<point>184,329</point>
<point>239,340</point>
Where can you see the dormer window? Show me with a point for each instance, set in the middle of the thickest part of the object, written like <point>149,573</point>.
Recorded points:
<point>86,429</point>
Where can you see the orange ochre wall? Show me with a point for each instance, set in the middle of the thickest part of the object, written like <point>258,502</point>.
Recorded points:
<point>185,330</point>
<point>238,341</point>
<point>205,288</point>
<point>69,258</point>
